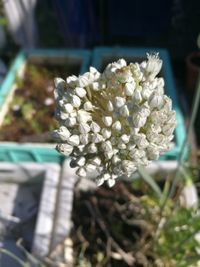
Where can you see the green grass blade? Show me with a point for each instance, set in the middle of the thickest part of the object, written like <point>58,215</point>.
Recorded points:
<point>149,180</point>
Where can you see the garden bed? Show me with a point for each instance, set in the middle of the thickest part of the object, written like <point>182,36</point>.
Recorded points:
<point>25,190</point>
<point>27,102</point>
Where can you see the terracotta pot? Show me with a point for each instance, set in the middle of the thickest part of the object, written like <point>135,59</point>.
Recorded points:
<point>193,69</point>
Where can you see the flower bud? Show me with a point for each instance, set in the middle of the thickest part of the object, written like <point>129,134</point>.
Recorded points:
<point>62,133</point>
<point>65,149</point>
<point>82,81</point>
<point>74,140</point>
<point>111,182</point>
<point>95,86</point>
<point>90,167</point>
<point>106,146</point>
<point>119,101</point>
<point>97,138</point>
<point>155,101</point>
<point>99,180</point>
<point>139,120</point>
<point>84,139</point>
<point>124,111</point>
<point>108,154</point>
<point>117,126</point>
<point>84,128</point>
<point>107,120</point>
<point>125,138</point>
<point>81,161</point>
<point>115,159</point>
<point>71,122</point>
<point>95,127</point>
<point>154,65</point>
<point>129,88</point>
<point>137,96</point>
<point>121,145</point>
<point>128,166</point>
<point>63,115</point>
<point>92,148</point>
<point>68,108</point>
<point>141,141</point>
<point>110,106</point>
<point>81,172</point>
<point>88,106</point>
<point>96,161</point>
<point>106,176</point>
<point>59,83</point>
<point>152,152</point>
<point>106,133</point>
<point>76,102</point>
<point>72,80</point>
<point>81,92</point>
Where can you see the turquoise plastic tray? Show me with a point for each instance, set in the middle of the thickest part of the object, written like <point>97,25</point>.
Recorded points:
<point>102,55</point>
<point>15,152</point>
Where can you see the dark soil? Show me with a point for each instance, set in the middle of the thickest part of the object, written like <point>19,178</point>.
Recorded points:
<point>108,230</point>
<point>31,114</point>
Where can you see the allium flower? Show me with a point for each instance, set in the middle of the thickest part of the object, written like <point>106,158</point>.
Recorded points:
<point>115,121</point>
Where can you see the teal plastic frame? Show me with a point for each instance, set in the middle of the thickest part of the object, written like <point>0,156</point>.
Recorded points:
<point>16,152</point>
<point>101,53</point>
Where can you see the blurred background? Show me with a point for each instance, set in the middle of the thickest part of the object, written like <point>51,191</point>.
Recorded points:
<point>172,24</point>
<point>61,32</point>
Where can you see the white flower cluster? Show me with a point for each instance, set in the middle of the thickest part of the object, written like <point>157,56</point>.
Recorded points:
<point>115,121</point>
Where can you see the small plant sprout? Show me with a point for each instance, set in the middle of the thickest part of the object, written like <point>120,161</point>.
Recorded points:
<point>116,121</point>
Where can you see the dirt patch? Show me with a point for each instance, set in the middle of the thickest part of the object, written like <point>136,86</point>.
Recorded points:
<point>109,229</point>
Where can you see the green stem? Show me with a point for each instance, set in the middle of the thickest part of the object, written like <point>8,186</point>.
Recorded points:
<point>10,254</point>
<point>195,106</point>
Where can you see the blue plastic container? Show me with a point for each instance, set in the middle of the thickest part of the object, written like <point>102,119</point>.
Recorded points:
<point>104,55</point>
<point>15,152</point>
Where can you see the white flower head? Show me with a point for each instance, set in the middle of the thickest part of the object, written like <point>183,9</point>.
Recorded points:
<point>112,122</point>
